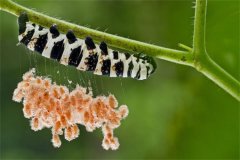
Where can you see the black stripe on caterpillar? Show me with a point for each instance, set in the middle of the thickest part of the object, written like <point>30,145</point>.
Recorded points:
<point>83,54</point>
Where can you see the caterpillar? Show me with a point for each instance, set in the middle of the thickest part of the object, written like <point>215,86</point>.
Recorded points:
<point>85,55</point>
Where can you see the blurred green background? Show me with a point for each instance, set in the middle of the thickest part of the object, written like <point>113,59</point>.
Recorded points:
<point>176,114</point>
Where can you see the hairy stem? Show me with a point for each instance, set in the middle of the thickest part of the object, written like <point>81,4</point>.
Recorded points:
<point>219,76</point>
<point>199,27</point>
<point>176,56</point>
<point>196,57</point>
<point>202,61</point>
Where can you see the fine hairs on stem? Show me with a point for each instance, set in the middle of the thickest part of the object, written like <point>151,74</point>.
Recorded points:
<point>196,57</point>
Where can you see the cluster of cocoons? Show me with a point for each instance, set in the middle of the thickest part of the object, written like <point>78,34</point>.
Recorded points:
<point>49,105</point>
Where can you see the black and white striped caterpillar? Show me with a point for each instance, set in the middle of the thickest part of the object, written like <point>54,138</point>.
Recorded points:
<point>83,54</point>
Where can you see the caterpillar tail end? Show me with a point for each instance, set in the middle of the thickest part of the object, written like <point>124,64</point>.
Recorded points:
<point>22,20</point>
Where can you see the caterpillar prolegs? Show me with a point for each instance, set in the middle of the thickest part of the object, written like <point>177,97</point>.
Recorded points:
<point>84,54</point>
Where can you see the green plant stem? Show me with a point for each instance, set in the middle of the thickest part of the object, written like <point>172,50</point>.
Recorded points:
<point>196,58</point>
<point>203,62</point>
<point>176,56</point>
<point>199,27</point>
<point>219,76</point>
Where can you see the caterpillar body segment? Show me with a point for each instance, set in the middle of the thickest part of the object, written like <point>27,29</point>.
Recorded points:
<point>85,55</point>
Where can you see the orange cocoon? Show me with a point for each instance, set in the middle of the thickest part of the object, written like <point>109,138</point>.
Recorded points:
<point>53,106</point>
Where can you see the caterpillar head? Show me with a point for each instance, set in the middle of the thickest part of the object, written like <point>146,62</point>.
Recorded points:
<point>153,63</point>
<point>150,60</point>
